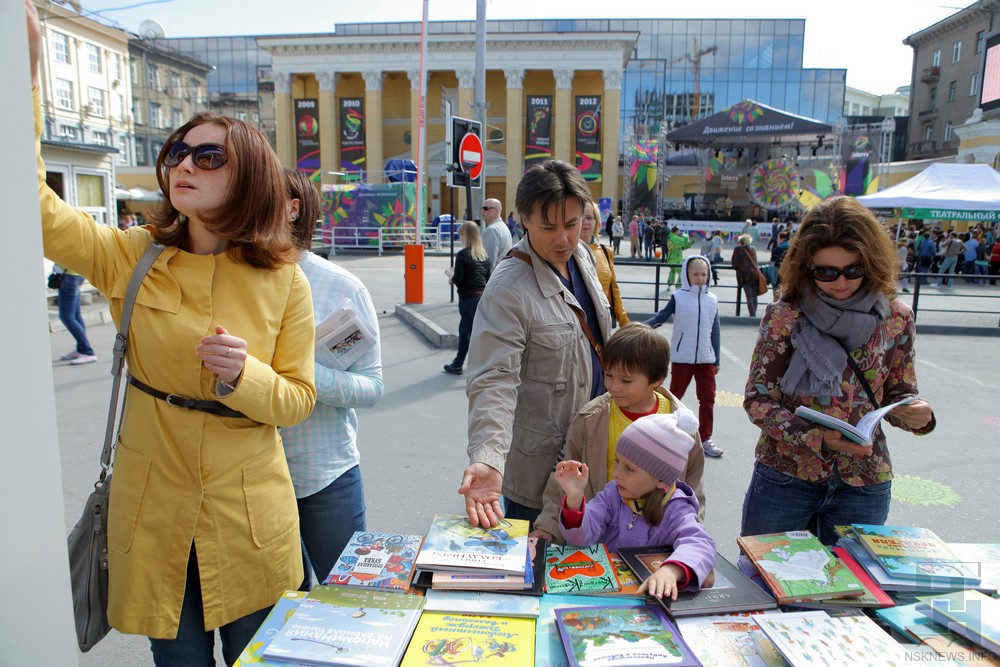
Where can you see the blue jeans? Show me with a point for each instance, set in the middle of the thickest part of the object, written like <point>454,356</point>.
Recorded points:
<point>69,312</point>
<point>776,503</point>
<point>512,510</point>
<point>649,251</point>
<point>467,310</point>
<point>327,519</point>
<point>194,646</point>
<point>947,266</point>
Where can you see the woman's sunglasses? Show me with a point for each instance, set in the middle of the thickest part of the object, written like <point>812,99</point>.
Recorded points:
<point>204,156</point>
<point>828,274</point>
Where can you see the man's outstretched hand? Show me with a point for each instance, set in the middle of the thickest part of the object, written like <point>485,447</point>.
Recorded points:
<point>481,486</point>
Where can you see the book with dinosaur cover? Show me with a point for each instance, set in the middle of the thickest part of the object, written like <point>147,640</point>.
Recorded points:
<point>580,570</point>
<point>730,591</point>
<point>457,639</point>
<point>914,553</point>
<point>341,627</point>
<point>376,560</point>
<point>453,544</point>
<point>622,636</point>
<point>796,566</point>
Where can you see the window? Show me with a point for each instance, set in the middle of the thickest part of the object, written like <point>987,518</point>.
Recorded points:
<point>952,89</point>
<point>64,94</point>
<point>933,104</point>
<point>95,97</point>
<point>947,130</point>
<point>194,91</point>
<point>256,117</point>
<point>866,110</point>
<point>123,151</point>
<point>137,113</point>
<point>152,77</point>
<point>100,138</point>
<point>60,46</point>
<point>93,58</point>
<point>974,84</point>
<point>176,119</point>
<point>140,154</point>
<point>937,59</point>
<point>155,116</point>
<point>115,65</point>
<point>118,107</point>
<point>979,41</point>
<point>69,133</point>
<point>175,84</point>
<point>956,52</point>
<point>240,115</point>
<point>90,191</point>
<point>929,133</point>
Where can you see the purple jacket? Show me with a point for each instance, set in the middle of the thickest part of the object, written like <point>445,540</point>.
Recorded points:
<point>606,519</point>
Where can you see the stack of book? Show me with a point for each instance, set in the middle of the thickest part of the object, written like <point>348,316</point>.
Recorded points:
<point>964,625</point>
<point>907,561</point>
<point>457,556</point>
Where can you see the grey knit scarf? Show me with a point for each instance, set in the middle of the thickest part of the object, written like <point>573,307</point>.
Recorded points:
<point>818,361</point>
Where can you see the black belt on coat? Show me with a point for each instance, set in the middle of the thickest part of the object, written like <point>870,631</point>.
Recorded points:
<point>178,401</point>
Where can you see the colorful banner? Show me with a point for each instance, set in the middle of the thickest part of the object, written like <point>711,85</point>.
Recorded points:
<point>858,161</point>
<point>354,214</point>
<point>774,183</point>
<point>588,136</point>
<point>642,178</point>
<point>352,134</point>
<point>307,136</point>
<point>538,139</point>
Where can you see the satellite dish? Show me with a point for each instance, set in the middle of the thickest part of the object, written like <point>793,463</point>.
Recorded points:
<point>150,29</point>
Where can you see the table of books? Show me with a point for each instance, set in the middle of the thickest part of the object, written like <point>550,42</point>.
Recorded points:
<point>884,596</point>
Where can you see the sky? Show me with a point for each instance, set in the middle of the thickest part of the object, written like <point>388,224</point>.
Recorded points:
<point>863,36</point>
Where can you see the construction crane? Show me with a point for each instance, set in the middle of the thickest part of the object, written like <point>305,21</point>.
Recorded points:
<point>694,57</point>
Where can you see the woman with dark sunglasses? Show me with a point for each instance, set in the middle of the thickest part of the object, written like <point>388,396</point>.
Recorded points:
<point>837,303</point>
<point>202,528</point>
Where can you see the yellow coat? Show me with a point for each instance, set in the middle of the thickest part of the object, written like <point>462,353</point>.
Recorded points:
<point>605,265</point>
<point>183,476</point>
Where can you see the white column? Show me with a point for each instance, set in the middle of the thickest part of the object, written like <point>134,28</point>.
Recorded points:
<point>563,116</point>
<point>610,127</point>
<point>373,120</point>
<point>284,118</point>
<point>515,134</point>
<point>329,132</point>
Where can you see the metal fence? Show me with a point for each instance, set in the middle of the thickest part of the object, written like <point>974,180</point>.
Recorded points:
<point>369,238</point>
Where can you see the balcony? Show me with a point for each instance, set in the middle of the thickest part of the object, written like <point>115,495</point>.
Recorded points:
<point>927,115</point>
<point>921,149</point>
<point>930,75</point>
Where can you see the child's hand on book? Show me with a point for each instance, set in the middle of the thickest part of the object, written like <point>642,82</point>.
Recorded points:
<point>572,479</point>
<point>663,582</point>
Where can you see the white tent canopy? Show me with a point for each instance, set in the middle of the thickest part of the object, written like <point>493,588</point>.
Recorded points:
<point>944,192</point>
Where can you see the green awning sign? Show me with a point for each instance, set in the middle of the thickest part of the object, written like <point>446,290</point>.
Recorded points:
<point>950,214</point>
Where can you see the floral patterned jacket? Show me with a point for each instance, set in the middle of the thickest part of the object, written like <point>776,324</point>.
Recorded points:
<point>793,445</point>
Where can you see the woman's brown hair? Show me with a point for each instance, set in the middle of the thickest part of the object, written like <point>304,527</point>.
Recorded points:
<point>844,223</point>
<point>304,225</point>
<point>254,219</point>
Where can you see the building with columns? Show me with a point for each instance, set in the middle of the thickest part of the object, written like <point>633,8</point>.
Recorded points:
<point>381,80</point>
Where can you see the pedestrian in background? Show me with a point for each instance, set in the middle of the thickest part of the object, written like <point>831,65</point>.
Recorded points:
<point>747,271</point>
<point>617,232</point>
<point>72,318</point>
<point>472,272</point>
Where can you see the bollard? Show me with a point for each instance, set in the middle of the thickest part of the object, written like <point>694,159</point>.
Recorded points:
<point>413,254</point>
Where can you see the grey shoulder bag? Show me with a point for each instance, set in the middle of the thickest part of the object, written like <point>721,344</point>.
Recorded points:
<point>88,542</point>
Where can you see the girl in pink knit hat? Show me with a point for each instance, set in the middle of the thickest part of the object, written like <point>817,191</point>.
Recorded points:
<point>645,504</point>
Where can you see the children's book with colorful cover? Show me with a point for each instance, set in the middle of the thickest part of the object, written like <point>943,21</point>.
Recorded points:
<point>809,638</point>
<point>532,582</point>
<point>728,590</point>
<point>873,597</point>
<point>376,560</point>
<point>482,602</point>
<point>968,613</point>
<point>549,651</point>
<point>902,586</point>
<point>253,654</point>
<point>460,639</point>
<point>797,566</point>
<point>453,544</point>
<point>627,579</point>
<point>580,570</point>
<point>730,640</point>
<point>912,552</point>
<point>340,626</point>
<point>622,636</point>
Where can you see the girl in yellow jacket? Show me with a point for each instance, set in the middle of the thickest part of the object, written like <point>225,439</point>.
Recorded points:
<point>203,528</point>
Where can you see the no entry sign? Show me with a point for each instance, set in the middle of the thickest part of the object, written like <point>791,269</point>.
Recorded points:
<point>470,151</point>
<point>465,146</point>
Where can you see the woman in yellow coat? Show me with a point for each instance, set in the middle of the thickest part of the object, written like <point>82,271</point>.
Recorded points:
<point>203,527</point>
<point>604,261</point>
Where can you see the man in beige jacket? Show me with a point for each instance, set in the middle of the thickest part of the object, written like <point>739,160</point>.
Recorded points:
<point>534,360</point>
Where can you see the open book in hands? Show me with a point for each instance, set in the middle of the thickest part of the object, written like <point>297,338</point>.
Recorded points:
<point>342,337</point>
<point>864,432</point>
